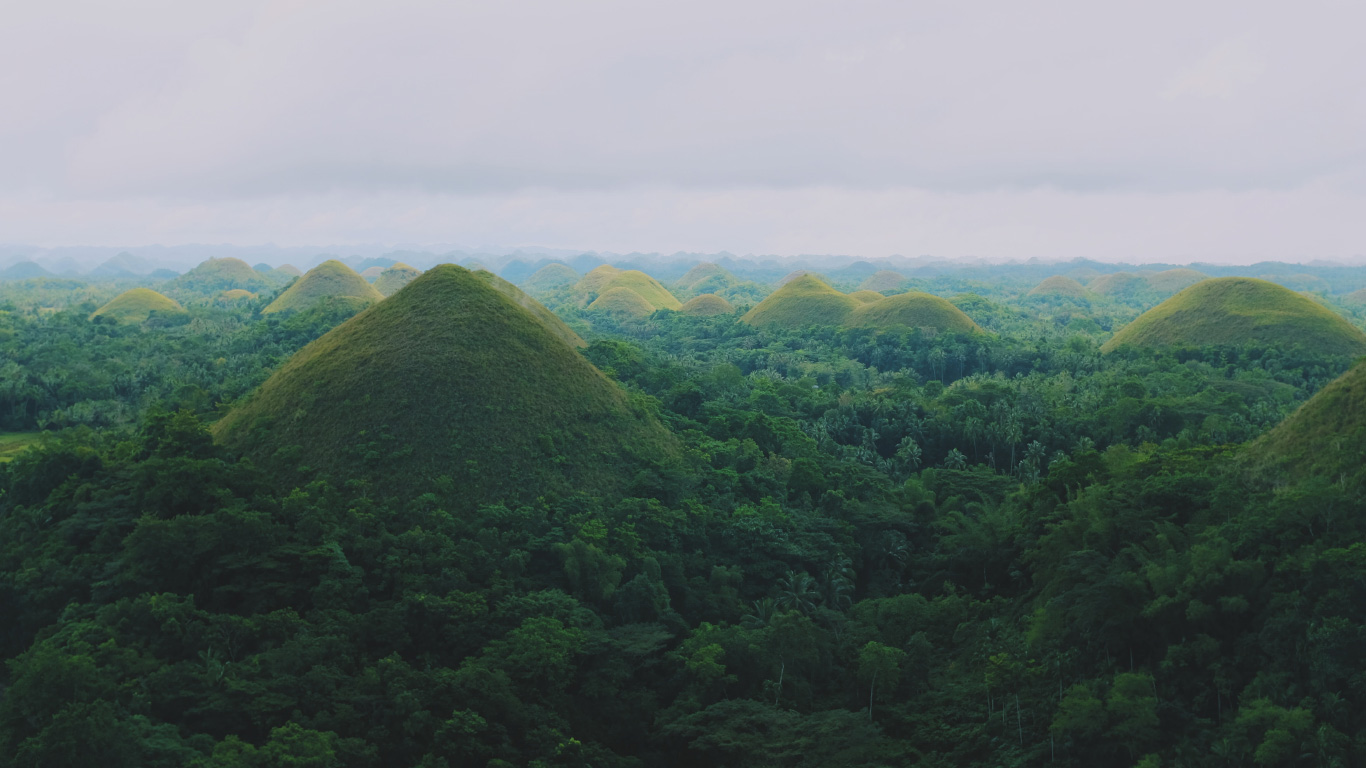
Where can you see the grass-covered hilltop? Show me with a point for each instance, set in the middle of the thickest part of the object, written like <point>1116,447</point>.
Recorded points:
<point>329,280</point>
<point>523,516</point>
<point>1236,311</point>
<point>136,305</point>
<point>215,276</point>
<point>459,391</point>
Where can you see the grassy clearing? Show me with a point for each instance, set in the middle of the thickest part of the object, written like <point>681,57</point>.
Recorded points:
<point>13,443</point>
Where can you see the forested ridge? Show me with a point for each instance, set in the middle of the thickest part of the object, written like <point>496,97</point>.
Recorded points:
<point>875,546</point>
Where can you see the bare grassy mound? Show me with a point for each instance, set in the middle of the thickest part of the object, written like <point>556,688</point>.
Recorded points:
<point>551,277</point>
<point>450,387</point>
<point>136,305</point>
<point>914,310</point>
<point>1325,437</point>
<point>395,277</point>
<point>537,310</point>
<point>214,276</point>
<point>1237,311</point>
<point>1118,284</point>
<point>804,300</point>
<point>1060,286</point>
<point>707,305</point>
<point>883,280</point>
<point>621,301</point>
<point>866,297</point>
<point>330,279</point>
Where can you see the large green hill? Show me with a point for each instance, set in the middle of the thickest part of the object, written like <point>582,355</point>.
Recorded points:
<point>706,305</point>
<point>1325,437</point>
<point>214,276</point>
<point>621,301</point>
<point>1059,286</point>
<point>551,277</point>
<point>802,301</point>
<point>913,310</point>
<point>395,277</point>
<point>452,387</point>
<point>1237,311</point>
<point>329,280</point>
<point>536,308</point>
<point>136,305</point>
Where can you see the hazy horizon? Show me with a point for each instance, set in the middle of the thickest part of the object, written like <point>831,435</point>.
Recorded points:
<point>1163,133</point>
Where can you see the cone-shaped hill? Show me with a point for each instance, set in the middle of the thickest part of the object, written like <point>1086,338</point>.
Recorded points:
<point>707,305</point>
<point>804,300</point>
<point>1325,437</point>
<point>621,301</point>
<point>914,310</point>
<point>551,277</point>
<point>395,277</point>
<point>447,386</point>
<point>537,310</point>
<point>371,274</point>
<point>215,276</point>
<point>866,297</point>
<point>137,305</point>
<point>1117,284</point>
<point>606,277</point>
<point>1172,280</point>
<point>883,280</point>
<point>797,274</point>
<point>290,269</point>
<point>329,280</point>
<point>705,278</point>
<point>1061,287</point>
<point>1240,310</point>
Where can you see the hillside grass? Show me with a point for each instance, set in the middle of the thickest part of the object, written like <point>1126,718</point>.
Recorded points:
<point>648,288</point>
<point>14,443</point>
<point>214,276</point>
<point>804,300</point>
<point>136,305</point>
<point>537,310</point>
<point>551,277</point>
<point>866,297</point>
<point>1235,311</point>
<point>1060,285</point>
<point>1325,437</point>
<point>452,387</point>
<point>621,301</point>
<point>707,305</point>
<point>395,277</point>
<point>883,280</point>
<point>1118,284</point>
<point>914,310</point>
<point>330,279</point>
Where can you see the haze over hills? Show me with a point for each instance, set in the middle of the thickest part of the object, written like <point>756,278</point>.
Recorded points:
<point>499,403</point>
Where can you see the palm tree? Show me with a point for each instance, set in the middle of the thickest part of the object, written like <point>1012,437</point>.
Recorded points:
<point>956,460</point>
<point>797,592</point>
<point>761,615</point>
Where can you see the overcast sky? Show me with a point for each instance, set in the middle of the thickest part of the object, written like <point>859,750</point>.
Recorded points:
<point>1160,131</point>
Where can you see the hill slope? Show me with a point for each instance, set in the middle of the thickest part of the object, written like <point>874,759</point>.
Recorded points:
<point>1325,437</point>
<point>914,310</point>
<point>1173,280</point>
<point>330,279</point>
<point>1117,284</point>
<point>550,277</point>
<point>648,288</point>
<point>395,277</point>
<point>1240,310</point>
<point>883,280</point>
<point>804,300</point>
<point>137,305</point>
<point>448,386</point>
<point>1061,286</point>
<point>214,276</point>
<point>537,310</point>
<point>621,301</point>
<point>706,305</point>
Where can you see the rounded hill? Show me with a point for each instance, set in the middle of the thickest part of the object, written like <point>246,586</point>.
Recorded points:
<point>596,280</point>
<point>648,288</point>
<point>395,277</point>
<point>883,280</point>
<point>290,269</point>
<point>329,280</point>
<point>448,386</point>
<point>537,310</point>
<point>804,300</point>
<point>707,305</point>
<point>621,301</point>
<point>703,273</point>
<point>1117,284</point>
<point>1173,280</point>
<point>551,277</point>
<point>1325,437</point>
<point>866,297</point>
<point>914,310</point>
<point>136,305</point>
<point>372,273</point>
<point>1059,286</point>
<point>214,276</point>
<point>1237,311</point>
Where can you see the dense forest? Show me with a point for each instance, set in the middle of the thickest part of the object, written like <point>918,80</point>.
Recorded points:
<point>860,542</point>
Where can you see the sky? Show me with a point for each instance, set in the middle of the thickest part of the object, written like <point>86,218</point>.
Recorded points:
<point>1156,131</point>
